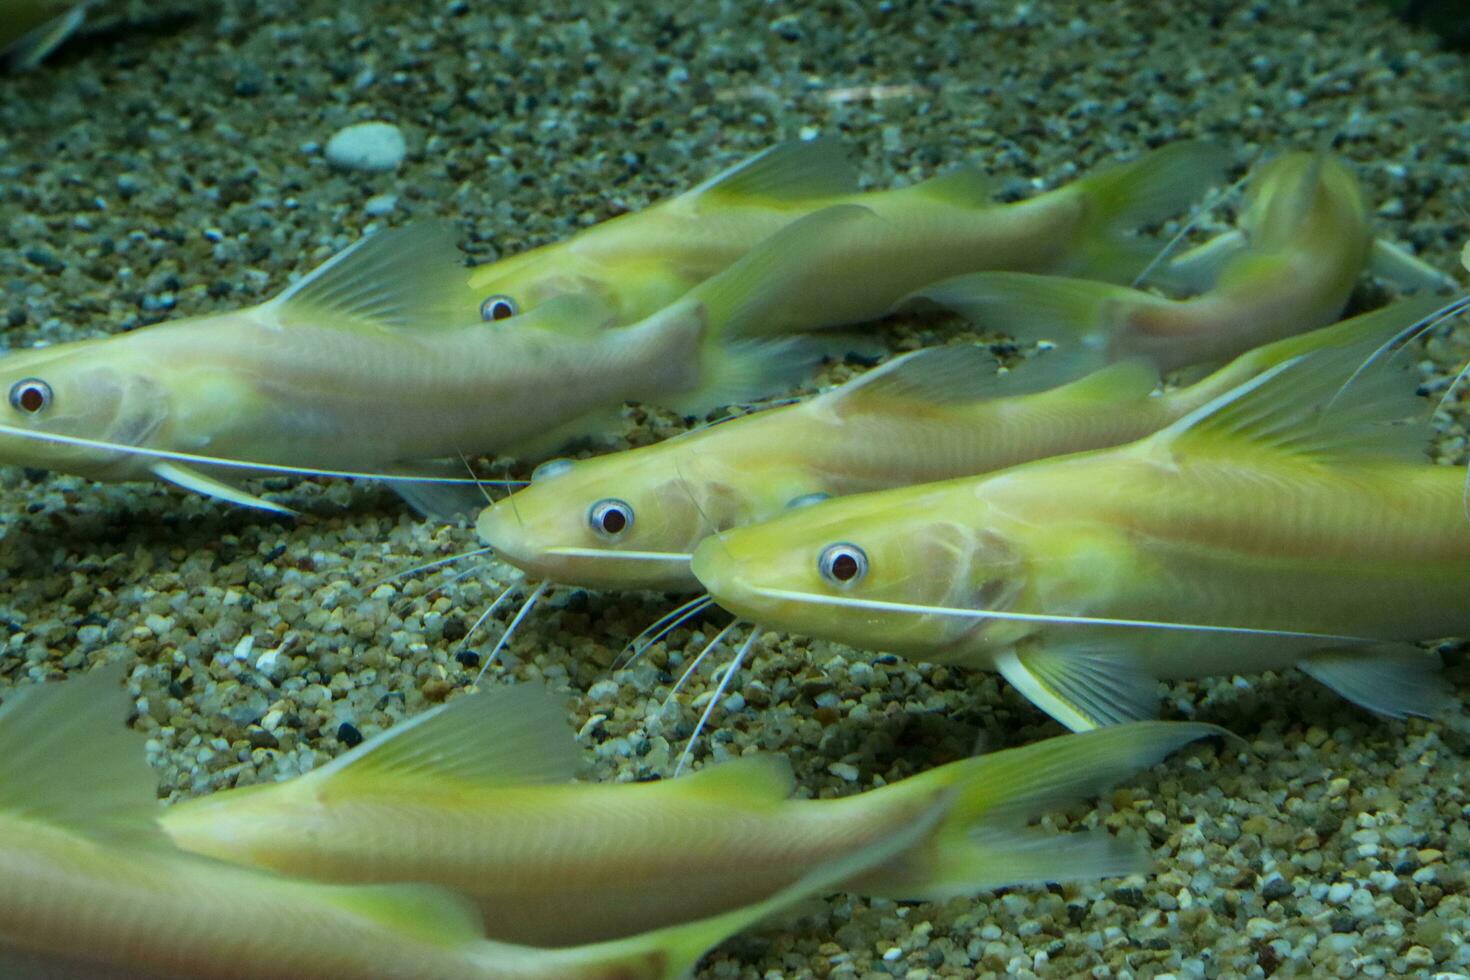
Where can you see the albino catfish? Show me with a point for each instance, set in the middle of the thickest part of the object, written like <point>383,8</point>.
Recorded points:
<point>476,796</point>
<point>1289,522</point>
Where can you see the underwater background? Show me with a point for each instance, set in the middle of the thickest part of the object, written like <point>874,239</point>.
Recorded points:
<point>171,160</point>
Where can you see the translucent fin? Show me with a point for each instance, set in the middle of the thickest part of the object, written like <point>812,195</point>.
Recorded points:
<point>984,843</point>
<point>1375,326</point>
<point>1122,383</point>
<point>1306,407</point>
<point>674,952</point>
<point>511,736</point>
<point>412,277</point>
<point>1394,680</point>
<point>1083,685</point>
<point>32,48</point>
<point>1080,316</point>
<point>191,479</point>
<point>966,187</point>
<point>1124,197</point>
<point>738,298</point>
<point>436,502</point>
<point>67,758</point>
<point>1396,264</point>
<point>756,781</point>
<point>1198,270</point>
<point>962,374</point>
<point>791,171</point>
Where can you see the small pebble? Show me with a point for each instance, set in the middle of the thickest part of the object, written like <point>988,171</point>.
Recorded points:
<point>370,146</point>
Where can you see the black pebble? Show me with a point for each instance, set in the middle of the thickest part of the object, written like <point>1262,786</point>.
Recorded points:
<point>348,735</point>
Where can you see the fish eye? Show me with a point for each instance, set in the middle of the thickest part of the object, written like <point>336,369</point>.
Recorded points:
<point>610,518</point>
<point>807,499</point>
<point>550,468</point>
<point>843,564</point>
<point>30,395</point>
<point>499,307</point>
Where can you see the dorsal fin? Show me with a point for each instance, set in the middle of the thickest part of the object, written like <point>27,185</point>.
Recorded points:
<point>737,299</point>
<point>965,186</point>
<point>961,374</point>
<point>1304,406</point>
<point>511,736</point>
<point>412,277</point>
<point>749,781</point>
<point>791,171</point>
<point>67,758</point>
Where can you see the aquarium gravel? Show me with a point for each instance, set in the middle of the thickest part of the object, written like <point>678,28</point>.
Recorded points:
<point>173,160</point>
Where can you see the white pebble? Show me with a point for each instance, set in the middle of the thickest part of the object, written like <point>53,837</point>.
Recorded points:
<point>844,770</point>
<point>374,146</point>
<point>382,204</point>
<point>1339,893</point>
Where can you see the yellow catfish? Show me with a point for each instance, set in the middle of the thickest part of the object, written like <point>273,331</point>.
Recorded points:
<point>32,29</point>
<point>91,888</point>
<point>365,366</point>
<point>630,520</point>
<point>1286,523</point>
<point>641,262</point>
<point>475,796</point>
<point>1304,239</point>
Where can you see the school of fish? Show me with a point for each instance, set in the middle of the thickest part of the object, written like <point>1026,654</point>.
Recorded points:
<point>1067,510</point>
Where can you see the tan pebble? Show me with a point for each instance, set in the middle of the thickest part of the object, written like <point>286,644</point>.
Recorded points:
<point>437,689</point>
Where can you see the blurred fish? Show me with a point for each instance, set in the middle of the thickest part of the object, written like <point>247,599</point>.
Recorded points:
<point>474,796</point>
<point>1304,239</point>
<point>91,888</point>
<point>641,262</point>
<point>630,520</point>
<point>1285,523</point>
<point>362,366</point>
<point>32,29</point>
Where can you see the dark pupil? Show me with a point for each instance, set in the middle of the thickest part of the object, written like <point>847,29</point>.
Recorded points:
<point>844,567</point>
<point>500,310</point>
<point>614,520</point>
<point>32,399</point>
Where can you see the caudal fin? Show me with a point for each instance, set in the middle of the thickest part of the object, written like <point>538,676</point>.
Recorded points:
<point>1122,198</point>
<point>984,841</point>
<point>1080,316</point>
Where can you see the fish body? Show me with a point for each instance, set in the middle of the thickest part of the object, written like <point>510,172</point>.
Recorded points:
<point>1303,240</point>
<point>1281,524</point>
<point>91,887</point>
<point>554,863</point>
<point>932,415</point>
<point>637,263</point>
<point>32,29</point>
<point>350,371</point>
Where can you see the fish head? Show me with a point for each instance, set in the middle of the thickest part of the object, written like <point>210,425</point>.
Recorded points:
<point>1302,195</point>
<point>872,571</point>
<point>87,390</point>
<point>628,520</point>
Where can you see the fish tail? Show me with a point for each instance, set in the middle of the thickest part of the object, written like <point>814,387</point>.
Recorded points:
<point>1119,199</point>
<point>1079,316</point>
<point>984,842</point>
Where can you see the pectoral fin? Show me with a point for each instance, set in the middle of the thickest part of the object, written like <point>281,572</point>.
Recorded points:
<point>1198,269</point>
<point>1083,685</point>
<point>1407,271</point>
<point>1394,680</point>
<point>190,479</point>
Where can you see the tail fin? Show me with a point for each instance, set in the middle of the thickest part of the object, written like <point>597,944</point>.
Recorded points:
<point>1080,316</point>
<point>1121,198</point>
<point>984,842</point>
<point>674,951</point>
